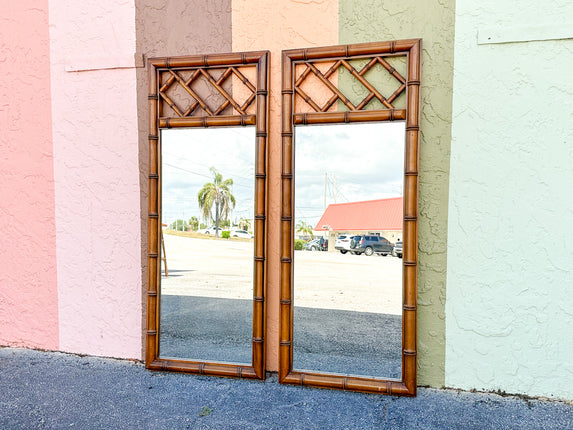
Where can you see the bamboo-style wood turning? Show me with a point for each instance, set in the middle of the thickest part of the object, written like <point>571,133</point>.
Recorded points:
<point>341,57</point>
<point>176,101</point>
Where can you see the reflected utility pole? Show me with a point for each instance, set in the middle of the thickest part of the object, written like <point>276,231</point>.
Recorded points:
<point>325,183</point>
<point>333,189</point>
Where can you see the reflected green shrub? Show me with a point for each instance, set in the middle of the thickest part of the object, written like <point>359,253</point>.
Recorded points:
<point>299,244</point>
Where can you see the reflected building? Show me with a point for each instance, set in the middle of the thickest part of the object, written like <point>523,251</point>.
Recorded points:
<point>376,217</point>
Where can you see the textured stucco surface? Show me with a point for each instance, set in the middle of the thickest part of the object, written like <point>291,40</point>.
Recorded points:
<point>97,178</point>
<point>170,29</point>
<point>276,26</point>
<point>28,284</point>
<point>433,21</point>
<point>509,308</point>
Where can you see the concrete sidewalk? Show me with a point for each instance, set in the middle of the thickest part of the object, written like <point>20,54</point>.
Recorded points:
<point>49,390</point>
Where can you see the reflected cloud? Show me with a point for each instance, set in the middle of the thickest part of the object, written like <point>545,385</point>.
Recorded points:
<point>347,163</point>
<point>187,156</point>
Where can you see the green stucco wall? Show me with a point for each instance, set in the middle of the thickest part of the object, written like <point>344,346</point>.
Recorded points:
<point>433,21</point>
<point>510,272</point>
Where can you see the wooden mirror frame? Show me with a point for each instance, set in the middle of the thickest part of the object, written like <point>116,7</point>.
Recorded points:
<point>200,115</point>
<point>411,84</point>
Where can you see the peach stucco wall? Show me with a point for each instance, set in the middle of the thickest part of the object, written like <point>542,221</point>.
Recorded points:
<point>97,176</point>
<point>275,26</point>
<point>28,291</point>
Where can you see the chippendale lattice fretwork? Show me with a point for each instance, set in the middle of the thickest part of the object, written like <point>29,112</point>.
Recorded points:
<point>203,88</point>
<point>359,77</point>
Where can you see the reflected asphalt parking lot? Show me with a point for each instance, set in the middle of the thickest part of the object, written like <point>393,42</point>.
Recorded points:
<point>347,307</point>
<point>327,280</point>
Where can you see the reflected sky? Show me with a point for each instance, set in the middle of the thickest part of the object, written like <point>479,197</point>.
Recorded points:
<point>346,163</point>
<point>331,166</point>
<point>187,156</point>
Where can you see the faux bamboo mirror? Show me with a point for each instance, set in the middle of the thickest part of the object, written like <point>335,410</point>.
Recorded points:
<point>349,217</point>
<point>207,214</point>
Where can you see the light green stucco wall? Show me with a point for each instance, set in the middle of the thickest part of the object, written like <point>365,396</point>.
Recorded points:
<point>433,21</point>
<point>509,309</point>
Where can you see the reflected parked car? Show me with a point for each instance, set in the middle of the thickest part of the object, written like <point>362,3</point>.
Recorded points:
<point>317,245</point>
<point>342,243</point>
<point>242,234</point>
<point>398,249</point>
<point>210,230</point>
<point>369,245</point>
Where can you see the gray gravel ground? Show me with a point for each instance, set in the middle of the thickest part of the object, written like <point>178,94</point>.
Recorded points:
<point>49,390</point>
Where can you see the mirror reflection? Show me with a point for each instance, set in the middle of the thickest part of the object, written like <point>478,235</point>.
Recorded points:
<point>207,204</point>
<point>348,249</point>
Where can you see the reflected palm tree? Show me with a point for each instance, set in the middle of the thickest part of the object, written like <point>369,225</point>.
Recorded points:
<point>218,194</point>
<point>304,228</point>
<point>245,224</point>
<point>194,223</point>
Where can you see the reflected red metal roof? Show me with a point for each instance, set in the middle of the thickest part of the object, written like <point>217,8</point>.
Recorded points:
<point>383,214</point>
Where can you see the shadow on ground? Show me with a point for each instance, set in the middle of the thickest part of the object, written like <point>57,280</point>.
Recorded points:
<point>216,329</point>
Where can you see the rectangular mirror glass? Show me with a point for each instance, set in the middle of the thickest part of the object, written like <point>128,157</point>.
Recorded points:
<point>348,249</point>
<point>207,215</point>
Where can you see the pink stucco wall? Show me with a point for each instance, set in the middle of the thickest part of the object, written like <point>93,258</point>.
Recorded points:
<point>275,26</point>
<point>97,176</point>
<point>28,292</point>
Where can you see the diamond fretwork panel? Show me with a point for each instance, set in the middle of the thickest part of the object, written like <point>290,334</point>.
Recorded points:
<point>207,91</point>
<point>376,82</point>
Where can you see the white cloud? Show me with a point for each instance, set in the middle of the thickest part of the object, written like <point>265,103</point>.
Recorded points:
<point>361,162</point>
<point>187,155</point>
<point>357,161</point>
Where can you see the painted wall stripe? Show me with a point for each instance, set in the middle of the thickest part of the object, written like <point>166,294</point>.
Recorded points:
<point>433,21</point>
<point>97,180</point>
<point>28,281</point>
<point>274,26</point>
